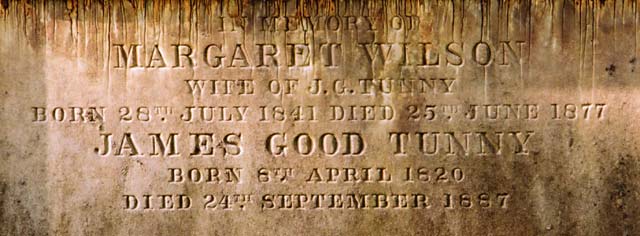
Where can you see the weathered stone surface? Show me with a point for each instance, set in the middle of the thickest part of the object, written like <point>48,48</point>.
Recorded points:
<point>319,117</point>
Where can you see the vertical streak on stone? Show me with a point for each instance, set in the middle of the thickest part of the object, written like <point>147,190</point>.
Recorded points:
<point>530,42</point>
<point>581,41</point>
<point>462,11</point>
<point>485,95</point>
<point>144,22</point>
<point>107,46</point>
<point>594,27</point>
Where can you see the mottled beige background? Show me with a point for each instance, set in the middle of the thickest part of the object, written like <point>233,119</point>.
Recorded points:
<point>580,177</point>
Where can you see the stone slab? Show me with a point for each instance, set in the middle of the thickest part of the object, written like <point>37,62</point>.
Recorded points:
<point>194,117</point>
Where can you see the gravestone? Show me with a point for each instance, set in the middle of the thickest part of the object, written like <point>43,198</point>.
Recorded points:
<point>399,117</point>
